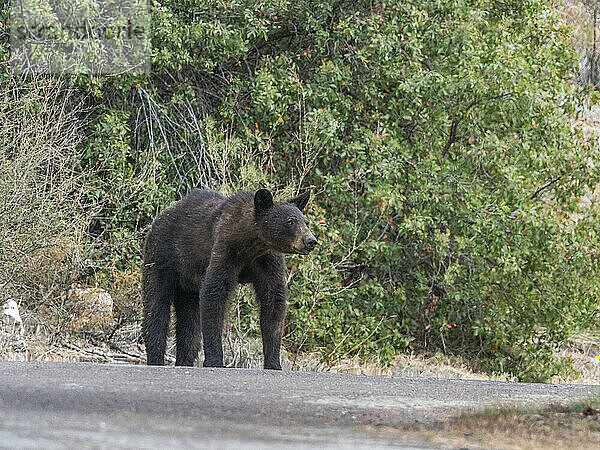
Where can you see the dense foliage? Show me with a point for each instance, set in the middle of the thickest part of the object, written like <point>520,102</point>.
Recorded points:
<point>436,135</point>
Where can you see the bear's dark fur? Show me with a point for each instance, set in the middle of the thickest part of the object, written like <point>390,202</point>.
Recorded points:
<point>196,253</point>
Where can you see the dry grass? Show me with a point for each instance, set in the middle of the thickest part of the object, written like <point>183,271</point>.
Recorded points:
<point>579,15</point>
<point>584,352</point>
<point>42,220</point>
<point>407,365</point>
<point>552,427</point>
<point>549,428</point>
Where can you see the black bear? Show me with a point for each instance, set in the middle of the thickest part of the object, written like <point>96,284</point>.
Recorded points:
<point>196,253</point>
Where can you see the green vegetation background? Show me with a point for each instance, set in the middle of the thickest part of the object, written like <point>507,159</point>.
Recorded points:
<point>437,136</point>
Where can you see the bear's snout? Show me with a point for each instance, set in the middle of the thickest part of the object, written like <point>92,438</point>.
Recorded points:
<point>310,242</point>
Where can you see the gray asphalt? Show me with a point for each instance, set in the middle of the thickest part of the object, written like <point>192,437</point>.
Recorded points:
<point>62,405</point>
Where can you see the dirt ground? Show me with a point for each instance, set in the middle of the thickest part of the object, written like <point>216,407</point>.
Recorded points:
<point>556,427</point>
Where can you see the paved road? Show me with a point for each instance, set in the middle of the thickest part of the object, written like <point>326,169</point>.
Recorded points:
<point>58,405</point>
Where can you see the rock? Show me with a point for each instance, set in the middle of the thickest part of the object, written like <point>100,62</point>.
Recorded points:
<point>589,411</point>
<point>534,417</point>
<point>92,307</point>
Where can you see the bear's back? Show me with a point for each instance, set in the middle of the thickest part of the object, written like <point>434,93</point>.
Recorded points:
<point>181,235</point>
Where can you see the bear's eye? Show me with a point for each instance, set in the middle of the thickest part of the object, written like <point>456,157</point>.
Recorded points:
<point>291,221</point>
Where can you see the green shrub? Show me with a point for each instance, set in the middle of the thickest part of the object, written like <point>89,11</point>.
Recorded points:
<point>437,137</point>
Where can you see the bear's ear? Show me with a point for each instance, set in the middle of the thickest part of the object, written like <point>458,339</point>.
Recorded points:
<point>262,200</point>
<point>301,200</point>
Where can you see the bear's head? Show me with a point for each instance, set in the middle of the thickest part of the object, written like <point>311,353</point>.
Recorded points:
<point>282,225</point>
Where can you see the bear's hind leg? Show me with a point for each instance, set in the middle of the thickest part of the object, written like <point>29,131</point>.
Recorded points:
<point>188,330</point>
<point>158,294</point>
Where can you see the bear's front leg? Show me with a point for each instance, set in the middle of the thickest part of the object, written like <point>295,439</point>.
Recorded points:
<point>219,283</point>
<point>272,294</point>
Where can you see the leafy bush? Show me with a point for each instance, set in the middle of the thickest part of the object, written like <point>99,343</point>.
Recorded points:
<point>438,139</point>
